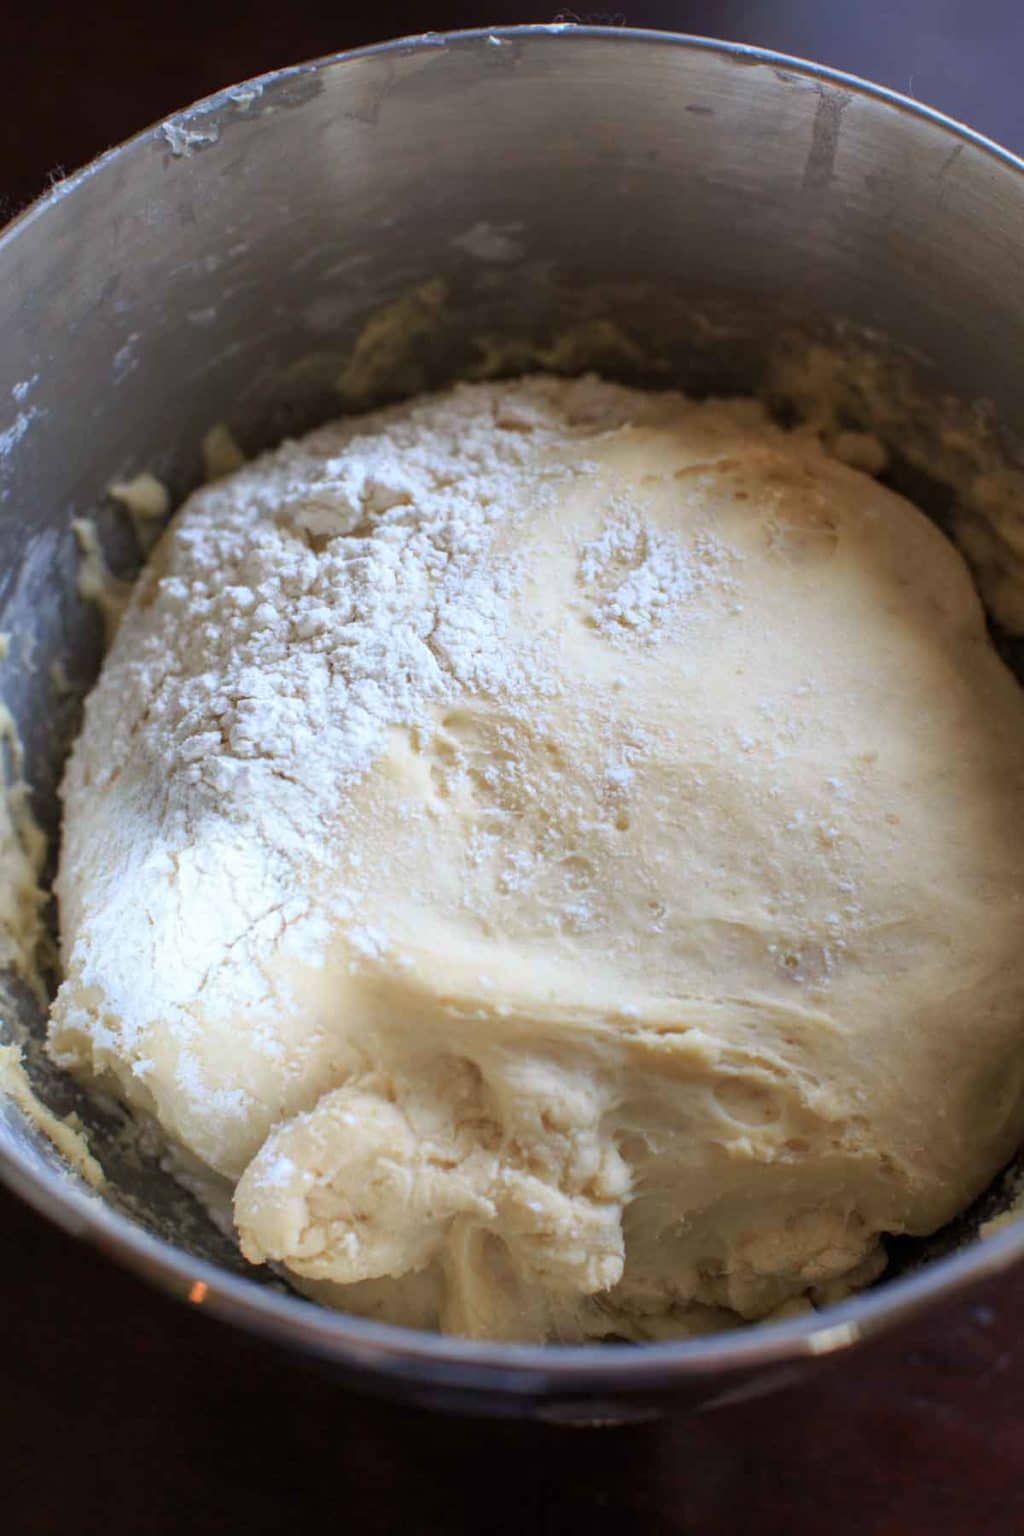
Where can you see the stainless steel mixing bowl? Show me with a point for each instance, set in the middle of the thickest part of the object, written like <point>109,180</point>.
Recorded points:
<point>524,184</point>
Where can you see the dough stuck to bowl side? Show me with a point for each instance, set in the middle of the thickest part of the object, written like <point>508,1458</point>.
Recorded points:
<point>556,851</point>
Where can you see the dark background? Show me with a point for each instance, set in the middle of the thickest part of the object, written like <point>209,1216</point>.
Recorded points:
<point>121,1413</point>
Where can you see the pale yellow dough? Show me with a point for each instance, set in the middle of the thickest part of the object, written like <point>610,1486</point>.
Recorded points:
<point>559,852</point>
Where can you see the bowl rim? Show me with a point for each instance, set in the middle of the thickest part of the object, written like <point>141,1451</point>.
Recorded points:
<point>388,1350</point>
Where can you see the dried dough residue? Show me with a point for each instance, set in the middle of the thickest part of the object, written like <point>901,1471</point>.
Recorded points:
<point>954,444</point>
<point>383,353</point>
<point>147,502</point>
<point>66,1135</point>
<point>97,583</point>
<point>22,852</point>
<point>221,453</point>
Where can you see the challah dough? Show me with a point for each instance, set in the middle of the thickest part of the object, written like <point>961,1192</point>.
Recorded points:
<point>559,852</point>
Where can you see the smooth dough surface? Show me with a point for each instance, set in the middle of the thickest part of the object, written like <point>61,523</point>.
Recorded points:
<point>558,852</point>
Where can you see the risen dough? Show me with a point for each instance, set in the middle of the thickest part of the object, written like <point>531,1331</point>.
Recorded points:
<point>559,851</point>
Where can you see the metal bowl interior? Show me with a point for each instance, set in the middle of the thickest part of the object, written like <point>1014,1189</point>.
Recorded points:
<point>660,207</point>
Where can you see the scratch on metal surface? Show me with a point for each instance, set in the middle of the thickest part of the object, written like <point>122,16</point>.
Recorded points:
<point>367,110</point>
<point>949,162</point>
<point>821,157</point>
<point>941,175</point>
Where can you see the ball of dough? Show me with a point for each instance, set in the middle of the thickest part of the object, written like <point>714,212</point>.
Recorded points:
<point>557,852</point>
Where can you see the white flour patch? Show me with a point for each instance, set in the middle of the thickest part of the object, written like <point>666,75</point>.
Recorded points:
<point>305,609</point>
<point>641,579</point>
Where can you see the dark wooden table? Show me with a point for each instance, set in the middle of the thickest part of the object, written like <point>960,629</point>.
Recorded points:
<point>123,1414</point>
